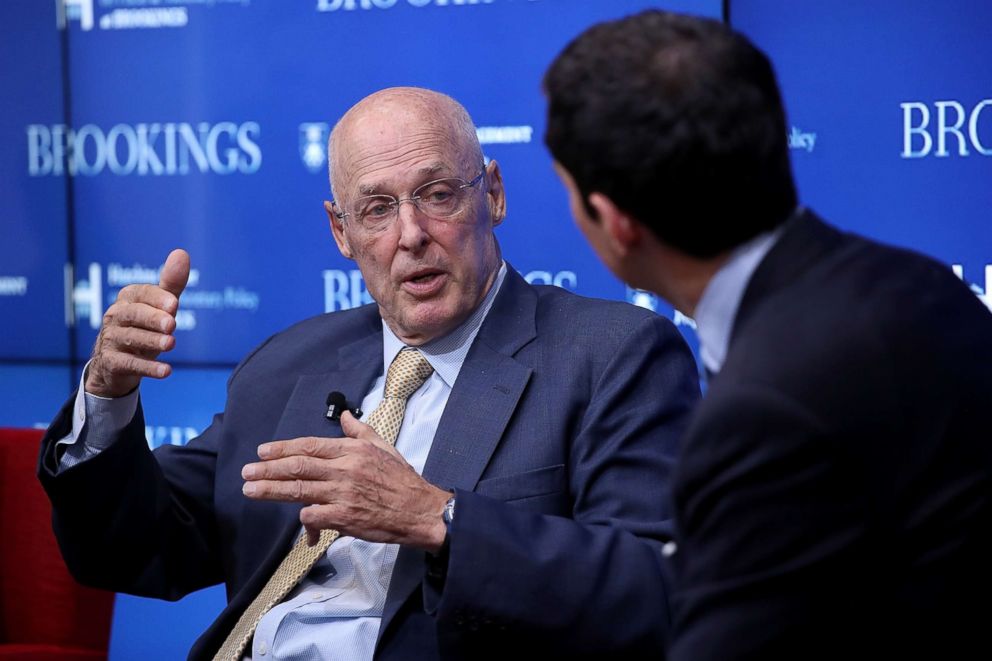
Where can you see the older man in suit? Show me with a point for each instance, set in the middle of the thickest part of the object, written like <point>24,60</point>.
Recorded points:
<point>834,491</point>
<point>524,506</point>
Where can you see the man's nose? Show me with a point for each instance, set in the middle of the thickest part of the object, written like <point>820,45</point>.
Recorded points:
<point>411,220</point>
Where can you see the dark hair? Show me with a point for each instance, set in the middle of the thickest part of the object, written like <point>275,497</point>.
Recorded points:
<point>678,120</point>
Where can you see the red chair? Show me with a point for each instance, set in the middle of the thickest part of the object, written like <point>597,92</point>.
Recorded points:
<point>44,614</point>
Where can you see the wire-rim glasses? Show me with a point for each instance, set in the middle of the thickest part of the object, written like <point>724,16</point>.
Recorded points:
<point>439,199</point>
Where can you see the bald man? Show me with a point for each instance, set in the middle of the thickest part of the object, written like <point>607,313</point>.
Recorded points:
<point>523,507</point>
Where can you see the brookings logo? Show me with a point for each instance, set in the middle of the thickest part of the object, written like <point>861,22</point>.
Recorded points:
<point>350,5</point>
<point>344,290</point>
<point>313,145</point>
<point>950,124</point>
<point>144,149</point>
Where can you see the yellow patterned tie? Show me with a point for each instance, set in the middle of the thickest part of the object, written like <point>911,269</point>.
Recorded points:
<point>408,371</point>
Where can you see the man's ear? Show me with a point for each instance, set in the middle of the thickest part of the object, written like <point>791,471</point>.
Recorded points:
<point>495,195</point>
<point>337,229</point>
<point>622,231</point>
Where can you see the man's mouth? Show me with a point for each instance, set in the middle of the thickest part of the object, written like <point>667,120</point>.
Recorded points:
<point>424,282</point>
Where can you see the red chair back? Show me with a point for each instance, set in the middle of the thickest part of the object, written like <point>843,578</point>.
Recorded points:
<point>44,612</point>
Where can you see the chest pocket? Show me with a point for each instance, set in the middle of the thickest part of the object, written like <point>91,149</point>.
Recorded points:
<point>547,483</point>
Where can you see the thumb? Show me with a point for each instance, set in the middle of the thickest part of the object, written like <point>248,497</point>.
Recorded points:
<point>175,272</point>
<point>355,429</point>
<point>352,428</point>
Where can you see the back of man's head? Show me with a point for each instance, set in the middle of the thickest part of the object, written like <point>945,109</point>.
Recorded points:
<point>679,121</point>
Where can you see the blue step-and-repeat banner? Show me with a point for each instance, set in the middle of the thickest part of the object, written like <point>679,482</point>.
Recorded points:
<point>131,127</point>
<point>890,118</point>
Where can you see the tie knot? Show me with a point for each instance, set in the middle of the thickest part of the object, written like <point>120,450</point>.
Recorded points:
<point>407,372</point>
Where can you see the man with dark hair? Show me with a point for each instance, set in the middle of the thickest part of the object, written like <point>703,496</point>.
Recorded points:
<point>834,491</point>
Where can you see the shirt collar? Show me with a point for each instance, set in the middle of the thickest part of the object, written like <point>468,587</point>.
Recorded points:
<point>447,354</point>
<point>717,309</point>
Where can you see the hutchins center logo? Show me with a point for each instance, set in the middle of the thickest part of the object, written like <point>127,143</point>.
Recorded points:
<point>801,140</point>
<point>74,10</point>
<point>948,128</point>
<point>144,149</point>
<point>984,295</point>
<point>88,297</point>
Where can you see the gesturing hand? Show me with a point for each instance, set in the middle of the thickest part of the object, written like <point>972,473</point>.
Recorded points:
<point>359,485</point>
<point>135,330</point>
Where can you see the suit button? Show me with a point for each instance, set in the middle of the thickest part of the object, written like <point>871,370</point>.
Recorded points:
<point>459,621</point>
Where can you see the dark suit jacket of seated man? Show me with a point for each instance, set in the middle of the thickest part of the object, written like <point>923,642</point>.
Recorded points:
<point>556,440</point>
<point>833,495</point>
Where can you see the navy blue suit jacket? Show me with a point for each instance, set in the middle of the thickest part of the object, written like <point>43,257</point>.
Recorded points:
<point>558,439</point>
<point>834,491</point>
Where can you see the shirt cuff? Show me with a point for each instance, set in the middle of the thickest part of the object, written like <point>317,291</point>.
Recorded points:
<point>101,418</point>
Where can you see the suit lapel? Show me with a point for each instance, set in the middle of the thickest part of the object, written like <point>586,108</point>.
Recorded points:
<point>486,393</point>
<point>352,372</point>
<point>480,405</point>
<point>357,366</point>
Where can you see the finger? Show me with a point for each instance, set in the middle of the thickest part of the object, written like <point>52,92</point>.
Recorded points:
<point>313,536</point>
<point>149,295</point>
<point>286,491</point>
<point>139,315</point>
<point>297,467</point>
<point>137,341</point>
<point>121,363</point>
<point>310,446</point>
<point>316,518</point>
<point>175,272</point>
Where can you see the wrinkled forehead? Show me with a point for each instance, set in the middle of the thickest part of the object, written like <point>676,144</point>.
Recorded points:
<point>386,143</point>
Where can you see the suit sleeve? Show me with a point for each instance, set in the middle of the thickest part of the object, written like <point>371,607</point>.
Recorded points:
<point>593,583</point>
<point>128,522</point>
<point>772,520</point>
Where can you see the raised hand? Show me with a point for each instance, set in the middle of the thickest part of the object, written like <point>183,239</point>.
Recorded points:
<point>136,329</point>
<point>359,485</point>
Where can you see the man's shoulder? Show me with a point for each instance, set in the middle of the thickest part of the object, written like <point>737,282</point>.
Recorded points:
<point>581,319</point>
<point>353,322</point>
<point>309,345</point>
<point>862,320</point>
<point>553,301</point>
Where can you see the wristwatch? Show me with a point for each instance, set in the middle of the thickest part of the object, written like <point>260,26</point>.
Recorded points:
<point>437,563</point>
<point>448,513</point>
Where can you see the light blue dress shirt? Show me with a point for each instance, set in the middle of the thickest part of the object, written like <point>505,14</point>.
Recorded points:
<point>336,610</point>
<point>717,308</point>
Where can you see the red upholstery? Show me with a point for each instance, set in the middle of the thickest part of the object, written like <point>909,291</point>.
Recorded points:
<point>44,613</point>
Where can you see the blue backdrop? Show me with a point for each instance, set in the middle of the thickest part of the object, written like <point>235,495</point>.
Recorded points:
<point>131,127</point>
<point>143,125</point>
<point>890,109</point>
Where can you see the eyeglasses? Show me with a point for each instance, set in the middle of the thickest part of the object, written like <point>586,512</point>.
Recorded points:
<point>439,199</point>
